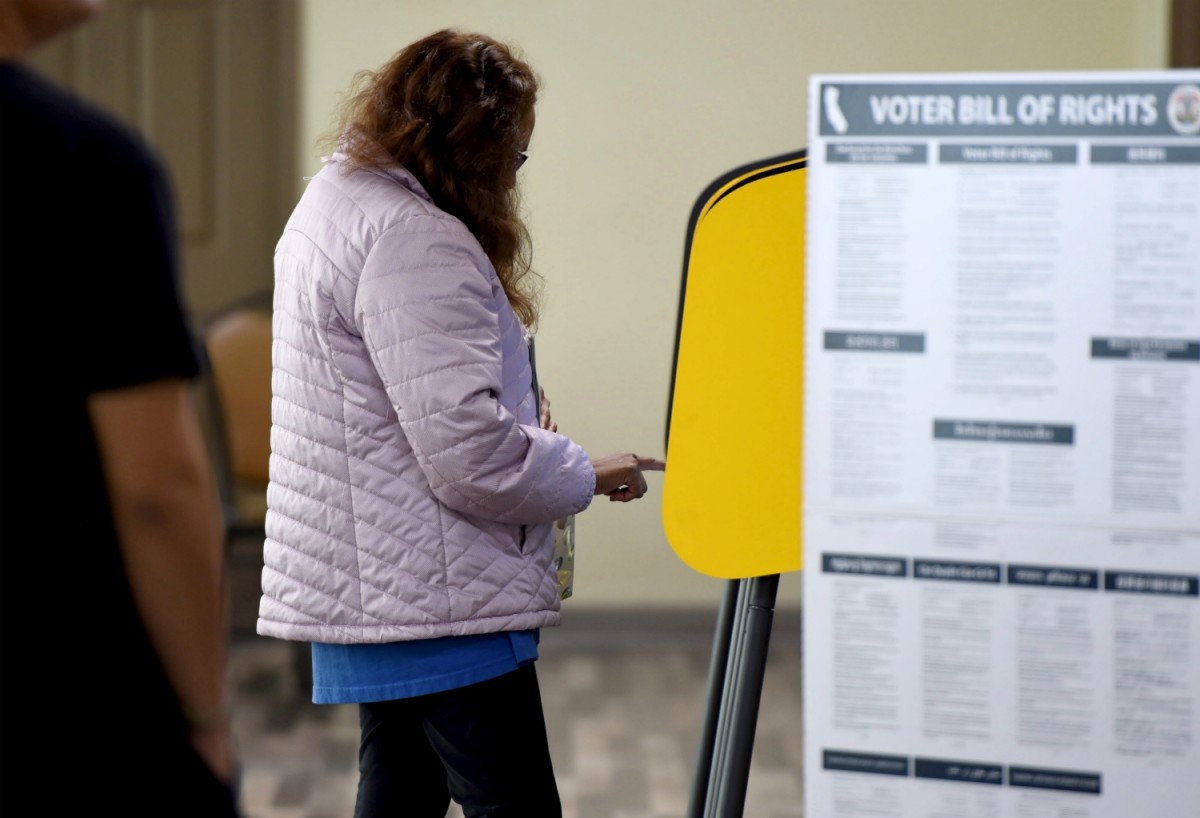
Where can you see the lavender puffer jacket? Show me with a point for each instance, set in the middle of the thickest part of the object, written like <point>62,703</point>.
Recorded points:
<point>412,493</point>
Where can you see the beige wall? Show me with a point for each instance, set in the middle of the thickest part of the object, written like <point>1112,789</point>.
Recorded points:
<point>645,102</point>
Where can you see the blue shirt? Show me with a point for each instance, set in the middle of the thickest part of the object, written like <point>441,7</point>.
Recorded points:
<point>351,674</point>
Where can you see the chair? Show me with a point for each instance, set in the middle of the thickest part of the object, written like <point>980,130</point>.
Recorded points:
<point>237,345</point>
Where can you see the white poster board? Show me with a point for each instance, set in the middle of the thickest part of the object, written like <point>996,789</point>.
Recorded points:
<point>1002,446</point>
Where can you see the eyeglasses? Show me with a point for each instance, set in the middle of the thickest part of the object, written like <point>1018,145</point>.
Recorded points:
<point>521,159</point>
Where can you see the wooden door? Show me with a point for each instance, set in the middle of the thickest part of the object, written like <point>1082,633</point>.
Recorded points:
<point>210,84</point>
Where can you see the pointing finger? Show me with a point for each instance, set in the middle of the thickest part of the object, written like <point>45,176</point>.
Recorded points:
<point>651,464</point>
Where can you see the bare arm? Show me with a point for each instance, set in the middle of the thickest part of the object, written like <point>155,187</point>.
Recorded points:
<point>168,524</point>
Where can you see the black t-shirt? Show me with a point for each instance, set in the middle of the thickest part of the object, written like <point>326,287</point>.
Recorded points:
<point>91,303</point>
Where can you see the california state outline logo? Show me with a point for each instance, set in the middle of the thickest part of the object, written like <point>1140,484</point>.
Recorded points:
<point>1183,109</point>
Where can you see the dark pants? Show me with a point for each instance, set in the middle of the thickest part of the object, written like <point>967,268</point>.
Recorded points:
<point>484,745</point>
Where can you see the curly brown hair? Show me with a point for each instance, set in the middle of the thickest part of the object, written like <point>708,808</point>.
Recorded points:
<point>452,109</point>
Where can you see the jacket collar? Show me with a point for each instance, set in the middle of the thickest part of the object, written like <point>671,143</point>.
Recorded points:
<point>385,168</point>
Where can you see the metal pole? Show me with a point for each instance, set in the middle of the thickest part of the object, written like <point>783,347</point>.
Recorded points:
<point>718,777</point>
<point>730,790</point>
<point>716,686</point>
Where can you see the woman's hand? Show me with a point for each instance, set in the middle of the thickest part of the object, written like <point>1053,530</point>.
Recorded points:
<point>544,414</point>
<point>619,475</point>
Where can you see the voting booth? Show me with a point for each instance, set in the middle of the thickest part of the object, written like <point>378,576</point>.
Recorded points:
<point>731,497</point>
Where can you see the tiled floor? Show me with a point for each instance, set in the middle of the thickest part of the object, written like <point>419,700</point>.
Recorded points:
<point>624,705</point>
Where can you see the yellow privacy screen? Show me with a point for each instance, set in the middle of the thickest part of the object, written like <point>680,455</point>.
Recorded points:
<point>731,492</point>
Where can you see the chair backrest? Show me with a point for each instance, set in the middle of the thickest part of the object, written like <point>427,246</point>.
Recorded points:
<point>236,404</point>
<point>238,343</point>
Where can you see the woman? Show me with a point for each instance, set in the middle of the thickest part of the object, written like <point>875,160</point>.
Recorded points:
<point>415,476</point>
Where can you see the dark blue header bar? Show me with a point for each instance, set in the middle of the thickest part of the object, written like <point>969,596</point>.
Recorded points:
<point>1015,109</point>
<point>864,564</point>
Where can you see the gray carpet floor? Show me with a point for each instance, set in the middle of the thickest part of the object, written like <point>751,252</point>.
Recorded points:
<point>625,699</point>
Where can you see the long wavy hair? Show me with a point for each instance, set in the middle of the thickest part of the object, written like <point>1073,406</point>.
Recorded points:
<point>451,109</point>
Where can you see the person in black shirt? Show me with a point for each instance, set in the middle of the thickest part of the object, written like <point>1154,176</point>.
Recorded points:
<point>114,668</point>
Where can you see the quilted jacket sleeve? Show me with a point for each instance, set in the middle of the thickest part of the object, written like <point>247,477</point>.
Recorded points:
<point>436,324</point>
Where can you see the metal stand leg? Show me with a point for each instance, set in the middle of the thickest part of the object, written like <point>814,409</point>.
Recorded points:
<point>716,691</point>
<point>740,693</point>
